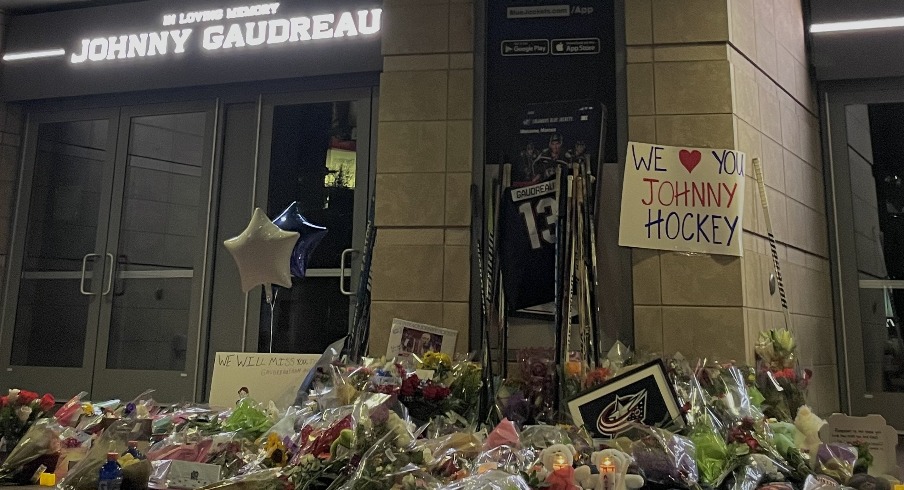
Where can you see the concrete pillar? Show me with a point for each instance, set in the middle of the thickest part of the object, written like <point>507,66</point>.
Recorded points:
<point>733,74</point>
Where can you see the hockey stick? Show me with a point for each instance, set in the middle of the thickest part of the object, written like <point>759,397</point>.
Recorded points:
<point>484,405</point>
<point>592,279</point>
<point>761,183</point>
<point>360,335</point>
<point>560,282</point>
<point>499,298</point>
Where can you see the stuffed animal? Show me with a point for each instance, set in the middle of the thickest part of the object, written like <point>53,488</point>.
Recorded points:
<point>556,455</point>
<point>808,423</point>
<point>620,479</point>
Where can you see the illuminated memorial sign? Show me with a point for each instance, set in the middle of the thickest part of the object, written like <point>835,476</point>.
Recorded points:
<point>215,29</point>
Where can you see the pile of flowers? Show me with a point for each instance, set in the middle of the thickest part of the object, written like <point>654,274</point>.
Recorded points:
<point>413,424</point>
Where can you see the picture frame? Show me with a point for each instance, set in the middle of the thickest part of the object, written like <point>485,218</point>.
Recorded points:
<point>643,394</point>
<point>419,338</point>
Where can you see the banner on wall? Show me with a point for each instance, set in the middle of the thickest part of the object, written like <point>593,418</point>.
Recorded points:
<point>683,199</point>
<point>544,51</point>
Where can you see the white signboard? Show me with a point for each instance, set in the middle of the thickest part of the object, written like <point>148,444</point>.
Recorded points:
<point>419,338</point>
<point>873,430</point>
<point>683,199</point>
<point>263,377</point>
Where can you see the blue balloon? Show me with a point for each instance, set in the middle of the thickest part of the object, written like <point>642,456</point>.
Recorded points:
<point>309,236</point>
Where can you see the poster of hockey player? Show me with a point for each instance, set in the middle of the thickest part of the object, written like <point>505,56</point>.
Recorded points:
<point>553,133</point>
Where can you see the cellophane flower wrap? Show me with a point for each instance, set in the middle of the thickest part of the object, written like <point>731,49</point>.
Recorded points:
<point>250,418</point>
<point>427,398</point>
<point>464,396</point>
<point>42,439</point>
<point>538,372</point>
<point>780,377</point>
<point>666,458</point>
<point>387,454</point>
<point>114,439</point>
<point>714,459</point>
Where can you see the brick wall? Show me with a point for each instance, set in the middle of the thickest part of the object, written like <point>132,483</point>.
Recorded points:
<point>733,74</point>
<point>424,168</point>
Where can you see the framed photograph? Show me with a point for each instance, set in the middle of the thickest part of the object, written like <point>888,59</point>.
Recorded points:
<point>642,395</point>
<point>419,338</point>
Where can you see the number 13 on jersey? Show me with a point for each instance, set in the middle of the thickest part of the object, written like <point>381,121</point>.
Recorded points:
<point>538,207</point>
<point>528,244</point>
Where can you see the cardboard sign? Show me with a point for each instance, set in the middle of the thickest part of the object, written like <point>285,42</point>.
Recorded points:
<point>872,429</point>
<point>641,395</point>
<point>263,377</point>
<point>419,338</point>
<point>683,199</point>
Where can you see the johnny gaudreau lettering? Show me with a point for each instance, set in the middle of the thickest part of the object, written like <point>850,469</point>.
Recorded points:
<point>236,35</point>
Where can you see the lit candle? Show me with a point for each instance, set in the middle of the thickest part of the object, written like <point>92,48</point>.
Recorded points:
<point>559,462</point>
<point>607,473</point>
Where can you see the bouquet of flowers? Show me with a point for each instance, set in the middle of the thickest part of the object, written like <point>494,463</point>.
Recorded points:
<point>39,445</point>
<point>424,399</point>
<point>779,376</point>
<point>18,411</point>
<point>538,371</point>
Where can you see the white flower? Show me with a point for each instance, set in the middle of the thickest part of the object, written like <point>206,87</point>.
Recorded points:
<point>13,396</point>
<point>23,412</point>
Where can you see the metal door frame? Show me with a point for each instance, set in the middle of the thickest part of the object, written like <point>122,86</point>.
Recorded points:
<point>843,252</point>
<point>56,376</point>
<point>365,174</point>
<point>189,374</point>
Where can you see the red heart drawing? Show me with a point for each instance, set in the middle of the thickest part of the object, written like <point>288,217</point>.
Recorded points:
<point>690,159</point>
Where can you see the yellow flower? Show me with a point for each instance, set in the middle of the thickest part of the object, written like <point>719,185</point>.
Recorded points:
<point>433,360</point>
<point>783,339</point>
<point>276,450</point>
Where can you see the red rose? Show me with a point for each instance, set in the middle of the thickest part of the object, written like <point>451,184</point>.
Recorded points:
<point>26,397</point>
<point>4,401</point>
<point>409,385</point>
<point>434,392</point>
<point>47,402</point>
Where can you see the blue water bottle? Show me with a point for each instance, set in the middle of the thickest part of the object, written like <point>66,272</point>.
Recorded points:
<point>133,450</point>
<point>110,477</point>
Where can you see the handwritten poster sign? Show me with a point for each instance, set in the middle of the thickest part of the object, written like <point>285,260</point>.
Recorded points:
<point>263,377</point>
<point>873,430</point>
<point>683,199</point>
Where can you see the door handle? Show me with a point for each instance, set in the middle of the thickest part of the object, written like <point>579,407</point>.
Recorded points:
<point>109,285</point>
<point>345,253</point>
<point>81,282</point>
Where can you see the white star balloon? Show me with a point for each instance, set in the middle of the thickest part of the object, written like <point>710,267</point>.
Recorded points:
<point>263,252</point>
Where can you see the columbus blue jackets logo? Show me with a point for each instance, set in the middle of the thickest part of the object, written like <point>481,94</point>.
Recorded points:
<point>624,410</point>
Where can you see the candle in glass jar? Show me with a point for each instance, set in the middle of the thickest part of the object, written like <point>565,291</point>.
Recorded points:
<point>560,462</point>
<point>607,473</point>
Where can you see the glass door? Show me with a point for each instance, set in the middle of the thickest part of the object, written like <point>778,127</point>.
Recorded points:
<point>55,278</point>
<point>157,249</point>
<point>315,150</point>
<point>867,191</point>
<point>106,273</point>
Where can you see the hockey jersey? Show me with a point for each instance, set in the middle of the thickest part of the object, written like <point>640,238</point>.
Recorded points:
<point>527,244</point>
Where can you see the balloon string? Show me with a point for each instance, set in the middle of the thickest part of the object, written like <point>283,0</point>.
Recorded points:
<point>272,315</point>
